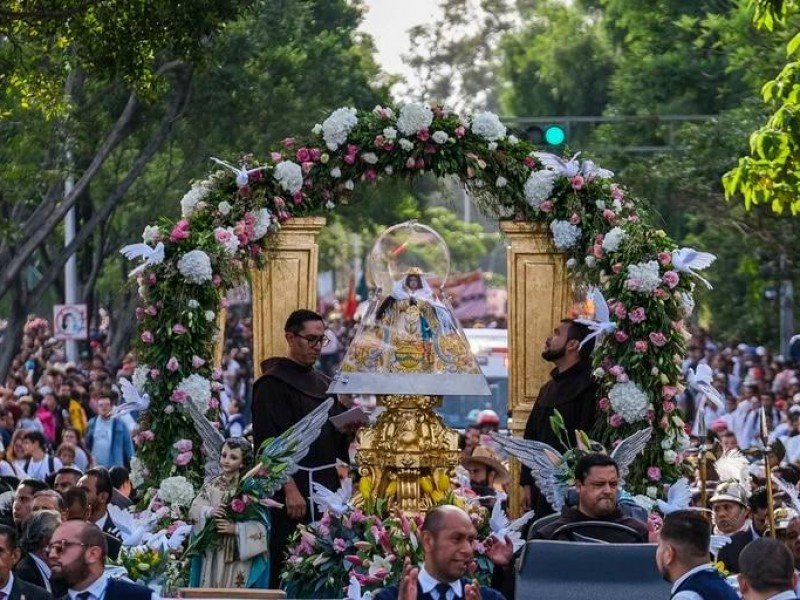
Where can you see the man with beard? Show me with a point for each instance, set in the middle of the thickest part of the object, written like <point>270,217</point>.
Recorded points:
<point>485,472</point>
<point>447,538</point>
<point>572,391</point>
<point>682,558</point>
<point>597,484</point>
<point>14,588</point>
<point>77,554</point>
<point>288,390</point>
<point>767,571</point>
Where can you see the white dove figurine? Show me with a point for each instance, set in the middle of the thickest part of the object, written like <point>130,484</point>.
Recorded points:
<point>689,260</point>
<point>354,590</point>
<point>679,497</point>
<point>602,323</point>
<point>151,256</point>
<point>699,380</point>
<point>337,502</point>
<point>718,542</point>
<point>242,175</point>
<point>163,541</point>
<point>502,528</point>
<point>132,528</point>
<point>591,171</point>
<point>133,400</point>
<point>558,165</point>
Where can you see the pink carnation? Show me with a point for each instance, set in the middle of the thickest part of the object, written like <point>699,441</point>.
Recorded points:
<point>620,336</point>
<point>657,338</point>
<point>654,473</point>
<point>180,231</point>
<point>671,279</point>
<point>578,182</point>
<point>173,364</point>
<point>619,311</point>
<point>238,505</point>
<point>668,406</point>
<point>147,337</point>
<point>183,445</point>
<point>664,258</point>
<point>637,315</point>
<point>178,329</point>
<point>640,346</point>
<point>616,421</point>
<point>461,132</point>
<point>197,362</point>
<point>183,459</point>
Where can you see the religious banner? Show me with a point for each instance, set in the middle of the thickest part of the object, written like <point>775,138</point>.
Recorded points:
<point>70,322</point>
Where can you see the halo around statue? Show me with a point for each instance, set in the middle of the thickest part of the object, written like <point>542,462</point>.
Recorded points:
<point>227,220</point>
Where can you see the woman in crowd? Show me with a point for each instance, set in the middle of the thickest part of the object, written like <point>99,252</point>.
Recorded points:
<point>83,458</point>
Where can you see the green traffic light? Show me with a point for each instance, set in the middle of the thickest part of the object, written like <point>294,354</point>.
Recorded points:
<point>555,135</point>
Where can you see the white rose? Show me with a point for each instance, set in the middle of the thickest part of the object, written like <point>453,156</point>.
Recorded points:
<point>370,158</point>
<point>492,146</point>
<point>501,182</point>
<point>440,137</point>
<point>513,140</point>
<point>389,169</point>
<point>406,145</point>
<point>336,172</point>
<point>572,263</point>
<point>670,457</point>
<point>317,129</point>
<point>349,185</point>
<point>209,315</point>
<point>224,207</point>
<point>390,133</point>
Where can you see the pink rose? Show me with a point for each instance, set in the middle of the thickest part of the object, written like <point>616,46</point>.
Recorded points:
<point>303,155</point>
<point>183,445</point>
<point>668,406</point>
<point>660,293</point>
<point>615,421</point>
<point>609,215</point>
<point>216,374</point>
<point>155,374</point>
<point>529,162</point>
<point>216,279</point>
<point>597,251</point>
<point>197,362</point>
<point>640,346</point>
<point>316,154</point>
<point>213,403</point>
<point>151,279</point>
<point>633,218</point>
<point>616,371</point>
<point>410,162</point>
<point>178,329</point>
<point>637,315</point>
<point>222,235</point>
<point>139,313</point>
<point>179,396</point>
<point>671,279</point>
<point>461,132</point>
<point>657,338</point>
<point>339,545</point>
<point>546,206</point>
<point>147,435</point>
<point>238,505</point>
<point>577,183</point>
<point>603,403</point>
<point>288,143</point>
<point>668,392</point>
<point>616,192</point>
<point>664,258</point>
<point>350,159</point>
<point>173,364</point>
<point>147,337</point>
<point>620,336</point>
<point>575,218</point>
<point>180,231</point>
<point>297,197</point>
<point>276,157</point>
<point>619,311</point>
<point>616,268</point>
<point>183,459</point>
<point>151,310</point>
<point>654,473</point>
<point>424,135</point>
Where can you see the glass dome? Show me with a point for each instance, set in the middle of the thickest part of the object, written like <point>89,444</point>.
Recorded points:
<point>409,341</point>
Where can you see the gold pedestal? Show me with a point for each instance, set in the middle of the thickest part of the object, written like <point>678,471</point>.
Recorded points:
<point>409,453</point>
<point>287,282</point>
<point>539,296</point>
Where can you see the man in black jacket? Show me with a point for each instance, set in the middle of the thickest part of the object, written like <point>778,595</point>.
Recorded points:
<point>571,390</point>
<point>13,588</point>
<point>33,568</point>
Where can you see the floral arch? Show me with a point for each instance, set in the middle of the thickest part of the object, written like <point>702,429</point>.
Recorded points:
<point>229,217</point>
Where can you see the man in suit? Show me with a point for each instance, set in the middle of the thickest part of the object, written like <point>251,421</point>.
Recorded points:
<point>77,554</point>
<point>767,571</point>
<point>447,538</point>
<point>23,500</point>
<point>729,554</point>
<point>13,588</point>
<point>38,530</point>
<point>97,485</point>
<point>682,558</point>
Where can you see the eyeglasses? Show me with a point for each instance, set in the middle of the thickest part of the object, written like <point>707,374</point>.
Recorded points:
<point>314,340</point>
<point>61,546</point>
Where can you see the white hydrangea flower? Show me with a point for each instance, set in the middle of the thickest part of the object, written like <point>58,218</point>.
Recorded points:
<point>137,472</point>
<point>629,401</point>
<point>590,261</point>
<point>176,490</point>
<point>613,239</point>
<point>190,203</point>
<point>139,377</point>
<point>538,187</point>
<point>413,118</point>
<point>406,145</point>
<point>370,158</point>
<point>390,133</point>
<point>289,176</point>
<point>337,127</point>
<point>195,266</point>
<point>198,388</point>
<point>151,234</point>
<point>565,234</point>
<point>224,207</point>
<point>488,126</point>
<point>644,277</point>
<point>263,221</point>
<point>501,182</point>
<point>687,303</point>
<point>440,137</point>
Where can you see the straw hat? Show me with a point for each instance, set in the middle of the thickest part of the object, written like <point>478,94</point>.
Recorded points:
<point>483,455</point>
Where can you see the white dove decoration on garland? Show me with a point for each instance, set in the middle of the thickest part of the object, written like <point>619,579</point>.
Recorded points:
<point>133,399</point>
<point>337,502</point>
<point>242,175</point>
<point>601,324</point>
<point>699,381</point>
<point>503,528</point>
<point>151,256</point>
<point>689,261</point>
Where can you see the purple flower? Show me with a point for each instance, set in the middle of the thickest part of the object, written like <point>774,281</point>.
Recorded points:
<point>637,315</point>
<point>183,445</point>
<point>339,545</point>
<point>178,329</point>
<point>657,338</point>
<point>671,279</point>
<point>654,473</point>
<point>197,362</point>
<point>238,505</point>
<point>183,459</point>
<point>173,364</point>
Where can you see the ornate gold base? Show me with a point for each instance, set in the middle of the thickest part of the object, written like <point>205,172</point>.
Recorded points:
<point>409,454</point>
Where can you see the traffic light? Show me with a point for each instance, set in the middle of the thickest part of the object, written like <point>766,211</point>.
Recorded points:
<point>547,134</point>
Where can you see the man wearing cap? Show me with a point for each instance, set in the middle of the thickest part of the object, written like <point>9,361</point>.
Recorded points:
<point>767,572</point>
<point>571,390</point>
<point>486,472</point>
<point>729,504</point>
<point>729,554</point>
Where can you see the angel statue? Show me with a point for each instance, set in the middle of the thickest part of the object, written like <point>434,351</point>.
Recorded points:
<point>229,546</point>
<point>412,308</point>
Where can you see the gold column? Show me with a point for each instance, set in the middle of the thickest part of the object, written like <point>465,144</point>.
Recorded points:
<point>539,297</point>
<point>287,282</point>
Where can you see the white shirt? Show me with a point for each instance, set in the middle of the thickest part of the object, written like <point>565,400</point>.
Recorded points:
<point>41,469</point>
<point>428,585</point>
<point>97,589</point>
<point>9,584</point>
<point>686,594</point>
<point>44,570</point>
<point>787,595</point>
<point>101,522</point>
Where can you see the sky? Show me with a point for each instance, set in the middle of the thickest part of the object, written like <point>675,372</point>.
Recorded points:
<point>388,22</point>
